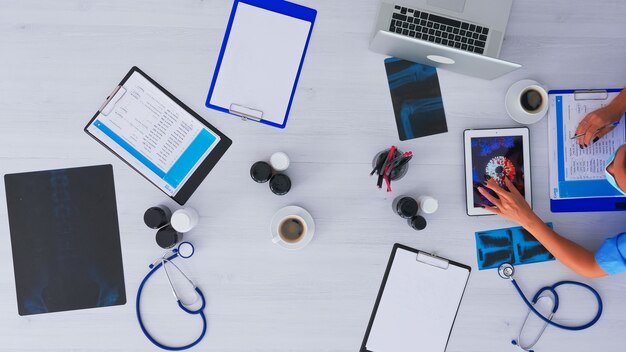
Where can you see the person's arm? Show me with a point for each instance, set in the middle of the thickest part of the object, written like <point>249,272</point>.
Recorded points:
<point>594,124</point>
<point>512,206</point>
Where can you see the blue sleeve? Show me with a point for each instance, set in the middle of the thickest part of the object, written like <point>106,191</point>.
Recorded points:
<point>611,254</point>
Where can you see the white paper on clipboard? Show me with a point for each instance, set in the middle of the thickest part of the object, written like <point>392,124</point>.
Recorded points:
<point>418,305</point>
<point>580,164</point>
<point>261,62</point>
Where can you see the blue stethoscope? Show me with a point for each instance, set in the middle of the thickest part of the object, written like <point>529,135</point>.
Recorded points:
<point>184,250</point>
<point>506,271</point>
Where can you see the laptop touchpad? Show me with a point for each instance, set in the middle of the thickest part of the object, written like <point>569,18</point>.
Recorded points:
<point>452,5</point>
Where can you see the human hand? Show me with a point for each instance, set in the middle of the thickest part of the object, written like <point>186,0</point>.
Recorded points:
<point>511,204</point>
<point>596,125</point>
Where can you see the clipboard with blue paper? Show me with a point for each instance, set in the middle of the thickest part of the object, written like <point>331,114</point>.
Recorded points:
<point>577,176</point>
<point>261,59</point>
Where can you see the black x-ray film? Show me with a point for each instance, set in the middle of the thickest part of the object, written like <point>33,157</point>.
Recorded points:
<point>65,239</point>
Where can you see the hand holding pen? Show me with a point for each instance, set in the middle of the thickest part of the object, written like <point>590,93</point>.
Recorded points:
<point>596,125</point>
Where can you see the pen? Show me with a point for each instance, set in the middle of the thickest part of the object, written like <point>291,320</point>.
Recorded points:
<point>598,130</point>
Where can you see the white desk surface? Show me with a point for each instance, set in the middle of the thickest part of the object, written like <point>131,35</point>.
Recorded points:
<point>59,59</point>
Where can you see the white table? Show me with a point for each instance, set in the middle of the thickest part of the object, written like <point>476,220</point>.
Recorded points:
<point>59,59</point>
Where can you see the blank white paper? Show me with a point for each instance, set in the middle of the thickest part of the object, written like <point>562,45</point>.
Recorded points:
<point>261,61</point>
<point>418,306</point>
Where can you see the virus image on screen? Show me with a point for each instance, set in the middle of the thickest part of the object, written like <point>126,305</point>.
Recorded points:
<point>500,167</point>
<point>497,158</point>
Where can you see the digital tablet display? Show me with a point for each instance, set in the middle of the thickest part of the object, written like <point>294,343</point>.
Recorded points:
<point>153,133</point>
<point>498,157</point>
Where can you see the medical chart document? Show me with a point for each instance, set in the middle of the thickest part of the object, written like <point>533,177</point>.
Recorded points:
<point>576,172</point>
<point>588,163</point>
<point>156,135</point>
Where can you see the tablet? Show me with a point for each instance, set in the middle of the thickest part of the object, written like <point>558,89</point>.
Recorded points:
<point>158,136</point>
<point>495,153</point>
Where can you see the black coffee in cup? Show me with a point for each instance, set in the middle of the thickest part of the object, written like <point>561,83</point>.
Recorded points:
<point>531,100</point>
<point>292,229</point>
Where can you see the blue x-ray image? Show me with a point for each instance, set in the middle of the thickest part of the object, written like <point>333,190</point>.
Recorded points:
<point>512,245</point>
<point>416,99</point>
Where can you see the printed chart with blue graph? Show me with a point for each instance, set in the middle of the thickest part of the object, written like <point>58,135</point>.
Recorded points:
<point>512,245</point>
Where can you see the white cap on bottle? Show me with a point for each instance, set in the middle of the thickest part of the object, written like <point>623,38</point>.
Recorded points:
<point>428,205</point>
<point>183,220</point>
<point>279,161</point>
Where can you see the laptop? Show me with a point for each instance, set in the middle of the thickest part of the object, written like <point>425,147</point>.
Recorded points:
<point>463,36</point>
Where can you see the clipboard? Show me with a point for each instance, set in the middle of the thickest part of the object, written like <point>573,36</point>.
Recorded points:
<point>570,191</point>
<point>157,135</point>
<point>261,59</point>
<point>417,303</point>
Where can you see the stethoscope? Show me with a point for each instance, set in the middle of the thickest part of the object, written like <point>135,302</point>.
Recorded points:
<point>184,250</point>
<point>506,271</point>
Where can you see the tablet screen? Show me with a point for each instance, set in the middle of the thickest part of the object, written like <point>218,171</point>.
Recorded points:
<point>497,158</point>
<point>153,133</point>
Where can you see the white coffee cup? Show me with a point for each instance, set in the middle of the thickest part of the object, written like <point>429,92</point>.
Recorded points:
<point>526,101</point>
<point>428,204</point>
<point>292,227</point>
<point>183,220</point>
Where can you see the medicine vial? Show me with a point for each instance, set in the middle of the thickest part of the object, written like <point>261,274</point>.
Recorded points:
<point>183,220</point>
<point>157,217</point>
<point>167,237</point>
<point>405,206</point>
<point>280,184</point>
<point>279,161</point>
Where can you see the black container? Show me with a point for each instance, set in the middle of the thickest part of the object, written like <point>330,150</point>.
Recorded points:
<point>417,223</point>
<point>167,237</point>
<point>396,174</point>
<point>261,172</point>
<point>404,206</point>
<point>280,184</point>
<point>157,217</point>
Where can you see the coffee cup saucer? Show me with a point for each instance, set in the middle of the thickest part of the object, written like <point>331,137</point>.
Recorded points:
<point>292,210</point>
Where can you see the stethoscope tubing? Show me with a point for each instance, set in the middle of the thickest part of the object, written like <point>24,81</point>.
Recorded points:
<point>199,312</point>
<point>552,289</point>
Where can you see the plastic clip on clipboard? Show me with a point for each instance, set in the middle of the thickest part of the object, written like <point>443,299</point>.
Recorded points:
<point>577,195</point>
<point>417,303</point>
<point>261,59</point>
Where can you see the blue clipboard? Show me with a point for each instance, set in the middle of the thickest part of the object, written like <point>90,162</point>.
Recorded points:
<point>603,198</point>
<point>256,96</point>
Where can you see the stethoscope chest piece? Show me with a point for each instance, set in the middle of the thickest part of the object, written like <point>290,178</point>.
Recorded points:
<point>506,271</point>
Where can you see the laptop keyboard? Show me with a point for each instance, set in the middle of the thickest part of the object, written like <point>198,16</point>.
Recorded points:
<point>439,30</point>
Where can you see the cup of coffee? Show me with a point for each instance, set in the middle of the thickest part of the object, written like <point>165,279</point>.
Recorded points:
<point>526,102</point>
<point>292,227</point>
<point>532,100</point>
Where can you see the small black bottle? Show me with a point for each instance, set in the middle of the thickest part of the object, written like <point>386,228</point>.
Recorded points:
<point>261,172</point>
<point>280,184</point>
<point>157,217</point>
<point>167,237</point>
<point>417,223</point>
<point>404,206</point>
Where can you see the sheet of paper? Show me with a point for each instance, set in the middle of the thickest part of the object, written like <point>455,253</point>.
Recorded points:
<point>588,163</point>
<point>149,121</point>
<point>418,306</point>
<point>158,137</point>
<point>261,62</point>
